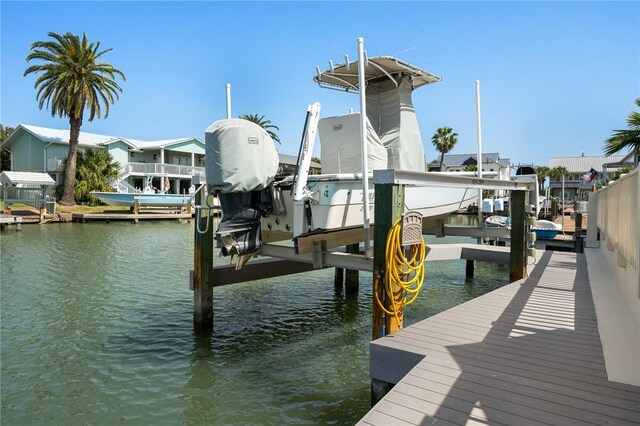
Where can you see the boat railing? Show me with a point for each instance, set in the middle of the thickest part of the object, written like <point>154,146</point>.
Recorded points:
<point>618,216</point>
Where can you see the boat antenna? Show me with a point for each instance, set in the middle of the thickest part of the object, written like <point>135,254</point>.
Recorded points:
<point>228,86</point>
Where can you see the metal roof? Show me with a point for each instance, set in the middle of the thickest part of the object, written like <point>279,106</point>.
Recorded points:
<point>26,178</point>
<point>47,134</point>
<point>583,163</point>
<point>457,160</point>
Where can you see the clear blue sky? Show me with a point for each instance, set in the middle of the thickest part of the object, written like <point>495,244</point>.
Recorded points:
<point>556,78</point>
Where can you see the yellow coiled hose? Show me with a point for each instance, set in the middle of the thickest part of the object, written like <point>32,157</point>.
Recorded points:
<point>403,276</point>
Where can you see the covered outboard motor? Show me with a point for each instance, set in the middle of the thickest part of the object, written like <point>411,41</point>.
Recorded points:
<point>242,162</point>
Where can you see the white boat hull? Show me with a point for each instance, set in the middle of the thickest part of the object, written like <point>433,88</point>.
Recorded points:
<point>339,204</point>
<point>145,200</point>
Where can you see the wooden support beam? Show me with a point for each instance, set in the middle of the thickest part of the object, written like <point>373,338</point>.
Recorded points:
<point>389,206</point>
<point>517,263</point>
<point>203,270</point>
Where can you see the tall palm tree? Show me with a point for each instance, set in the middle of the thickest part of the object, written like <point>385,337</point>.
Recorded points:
<point>542,172</point>
<point>72,80</point>
<point>627,138</point>
<point>444,140</point>
<point>265,124</point>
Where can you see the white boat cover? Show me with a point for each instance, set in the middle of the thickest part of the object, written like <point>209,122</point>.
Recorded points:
<point>241,156</point>
<point>340,145</point>
<point>390,111</point>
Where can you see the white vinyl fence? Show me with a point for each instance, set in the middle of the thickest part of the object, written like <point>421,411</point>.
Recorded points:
<point>619,216</point>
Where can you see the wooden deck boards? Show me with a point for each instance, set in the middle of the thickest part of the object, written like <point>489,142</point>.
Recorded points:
<point>528,353</point>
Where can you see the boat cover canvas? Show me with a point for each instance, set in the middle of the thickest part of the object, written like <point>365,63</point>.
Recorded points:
<point>340,145</point>
<point>241,156</point>
<point>390,111</point>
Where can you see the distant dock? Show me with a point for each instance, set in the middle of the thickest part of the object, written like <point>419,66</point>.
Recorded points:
<point>132,217</point>
<point>532,352</point>
<point>7,220</point>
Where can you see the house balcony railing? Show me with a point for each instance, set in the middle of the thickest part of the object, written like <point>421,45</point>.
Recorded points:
<point>160,169</point>
<point>570,184</point>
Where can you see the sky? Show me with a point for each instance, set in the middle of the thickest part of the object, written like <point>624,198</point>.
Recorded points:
<point>556,78</point>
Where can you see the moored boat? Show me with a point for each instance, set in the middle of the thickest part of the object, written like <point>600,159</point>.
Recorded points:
<point>497,221</point>
<point>143,199</point>
<point>546,229</point>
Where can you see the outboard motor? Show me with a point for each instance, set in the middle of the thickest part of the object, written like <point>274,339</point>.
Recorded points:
<point>242,162</point>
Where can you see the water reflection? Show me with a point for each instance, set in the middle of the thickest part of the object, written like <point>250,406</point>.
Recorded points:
<point>87,339</point>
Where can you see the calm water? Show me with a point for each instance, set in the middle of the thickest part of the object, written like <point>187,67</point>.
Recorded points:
<point>97,329</point>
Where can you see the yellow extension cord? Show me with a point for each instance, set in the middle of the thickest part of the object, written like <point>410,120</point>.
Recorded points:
<point>406,275</point>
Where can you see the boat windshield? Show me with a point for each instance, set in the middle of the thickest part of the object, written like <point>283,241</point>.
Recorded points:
<point>381,68</point>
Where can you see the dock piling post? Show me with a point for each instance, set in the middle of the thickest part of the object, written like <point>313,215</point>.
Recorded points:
<point>203,270</point>
<point>517,262</point>
<point>470,268</point>
<point>338,277</point>
<point>389,206</point>
<point>352,277</point>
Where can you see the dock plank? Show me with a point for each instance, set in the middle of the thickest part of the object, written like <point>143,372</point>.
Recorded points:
<point>527,353</point>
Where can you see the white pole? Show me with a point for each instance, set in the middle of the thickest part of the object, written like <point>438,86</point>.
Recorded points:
<point>562,217</point>
<point>228,100</point>
<point>479,132</point>
<point>363,142</point>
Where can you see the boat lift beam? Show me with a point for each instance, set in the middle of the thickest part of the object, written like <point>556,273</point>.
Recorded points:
<point>410,178</point>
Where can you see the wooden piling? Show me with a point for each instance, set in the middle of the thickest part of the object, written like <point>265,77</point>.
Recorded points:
<point>203,269</point>
<point>352,278</point>
<point>389,206</point>
<point>517,264</point>
<point>470,268</point>
<point>338,277</point>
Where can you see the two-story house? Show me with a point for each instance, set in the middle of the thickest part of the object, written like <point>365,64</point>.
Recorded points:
<point>169,164</point>
<point>575,188</point>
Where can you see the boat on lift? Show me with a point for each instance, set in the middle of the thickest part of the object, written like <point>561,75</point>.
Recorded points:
<point>260,206</point>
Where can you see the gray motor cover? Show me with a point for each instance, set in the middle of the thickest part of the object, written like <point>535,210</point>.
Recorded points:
<point>241,156</point>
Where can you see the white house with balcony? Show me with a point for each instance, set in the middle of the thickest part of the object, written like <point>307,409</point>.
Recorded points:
<point>166,164</point>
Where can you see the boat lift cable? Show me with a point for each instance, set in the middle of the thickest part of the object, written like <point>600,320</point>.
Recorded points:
<point>403,275</point>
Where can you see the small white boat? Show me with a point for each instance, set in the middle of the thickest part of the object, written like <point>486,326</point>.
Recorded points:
<point>497,221</point>
<point>143,199</point>
<point>546,229</point>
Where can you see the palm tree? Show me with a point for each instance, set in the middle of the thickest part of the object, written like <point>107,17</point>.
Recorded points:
<point>542,172</point>
<point>95,169</point>
<point>628,138</point>
<point>72,80</point>
<point>444,140</point>
<point>558,172</point>
<point>265,124</point>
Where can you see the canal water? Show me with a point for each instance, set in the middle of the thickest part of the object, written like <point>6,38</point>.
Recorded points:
<point>97,329</point>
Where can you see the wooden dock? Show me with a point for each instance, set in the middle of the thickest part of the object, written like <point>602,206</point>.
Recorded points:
<point>527,353</point>
<point>132,217</point>
<point>7,219</point>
